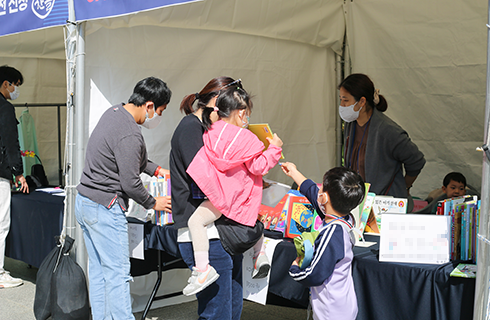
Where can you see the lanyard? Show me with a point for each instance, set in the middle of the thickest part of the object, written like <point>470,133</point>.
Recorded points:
<point>340,219</point>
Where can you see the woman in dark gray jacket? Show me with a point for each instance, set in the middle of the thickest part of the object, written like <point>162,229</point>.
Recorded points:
<point>374,145</point>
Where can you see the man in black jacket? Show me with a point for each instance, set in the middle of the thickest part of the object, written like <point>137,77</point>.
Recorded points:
<point>10,160</point>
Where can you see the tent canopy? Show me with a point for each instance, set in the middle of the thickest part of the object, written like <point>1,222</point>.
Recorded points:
<point>427,58</point>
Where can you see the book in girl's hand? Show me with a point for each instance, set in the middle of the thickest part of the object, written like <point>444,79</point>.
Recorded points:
<point>263,131</point>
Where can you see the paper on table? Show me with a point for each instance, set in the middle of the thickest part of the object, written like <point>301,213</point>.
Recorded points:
<point>51,190</point>
<point>256,289</point>
<point>136,246</point>
<point>364,244</point>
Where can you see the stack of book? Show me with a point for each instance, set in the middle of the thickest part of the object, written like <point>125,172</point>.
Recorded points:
<point>161,188</point>
<point>293,215</point>
<point>465,213</point>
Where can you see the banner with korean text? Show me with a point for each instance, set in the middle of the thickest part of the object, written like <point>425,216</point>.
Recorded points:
<point>96,9</point>
<point>25,15</point>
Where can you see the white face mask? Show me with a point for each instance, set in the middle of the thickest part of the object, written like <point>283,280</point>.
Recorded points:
<point>152,123</point>
<point>348,114</point>
<point>322,205</point>
<point>14,94</point>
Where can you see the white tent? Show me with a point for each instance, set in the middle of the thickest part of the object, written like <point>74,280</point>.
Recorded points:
<point>427,57</point>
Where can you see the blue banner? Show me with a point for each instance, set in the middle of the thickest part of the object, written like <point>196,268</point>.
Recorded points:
<point>24,15</point>
<point>94,9</point>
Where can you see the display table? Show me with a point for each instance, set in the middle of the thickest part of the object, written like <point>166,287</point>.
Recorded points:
<point>36,219</point>
<point>387,290</point>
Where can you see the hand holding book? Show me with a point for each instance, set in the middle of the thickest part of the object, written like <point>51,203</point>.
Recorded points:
<point>163,204</point>
<point>275,140</point>
<point>264,133</point>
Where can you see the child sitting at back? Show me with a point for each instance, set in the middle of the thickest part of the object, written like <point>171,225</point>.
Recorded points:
<point>453,185</point>
<point>329,274</point>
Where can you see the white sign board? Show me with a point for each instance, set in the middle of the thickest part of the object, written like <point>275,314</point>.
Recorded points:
<point>415,238</point>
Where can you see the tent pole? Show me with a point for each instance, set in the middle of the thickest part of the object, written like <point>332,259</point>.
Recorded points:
<point>343,68</point>
<point>75,146</point>
<point>81,254</point>
<point>70,47</point>
<point>338,127</point>
<point>482,298</point>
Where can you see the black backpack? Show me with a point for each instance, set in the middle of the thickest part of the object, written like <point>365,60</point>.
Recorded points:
<point>38,177</point>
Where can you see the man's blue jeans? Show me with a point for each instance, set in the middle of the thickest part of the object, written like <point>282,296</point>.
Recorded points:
<point>106,237</point>
<point>222,300</point>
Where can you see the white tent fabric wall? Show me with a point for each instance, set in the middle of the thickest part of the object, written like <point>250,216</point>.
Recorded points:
<point>293,83</point>
<point>429,61</point>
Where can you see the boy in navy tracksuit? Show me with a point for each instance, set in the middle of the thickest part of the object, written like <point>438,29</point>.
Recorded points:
<point>329,274</point>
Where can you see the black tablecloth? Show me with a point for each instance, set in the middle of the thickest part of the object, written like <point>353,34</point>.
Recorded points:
<point>157,238</point>
<point>36,219</point>
<point>387,290</point>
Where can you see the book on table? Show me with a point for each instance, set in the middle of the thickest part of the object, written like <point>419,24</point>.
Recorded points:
<point>464,270</point>
<point>300,216</point>
<point>464,214</point>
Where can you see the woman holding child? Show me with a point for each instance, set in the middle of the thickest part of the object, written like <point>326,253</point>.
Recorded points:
<point>374,145</point>
<point>231,158</point>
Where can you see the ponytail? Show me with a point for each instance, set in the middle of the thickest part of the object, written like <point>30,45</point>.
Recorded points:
<point>206,118</point>
<point>382,104</point>
<point>186,104</point>
<point>213,88</point>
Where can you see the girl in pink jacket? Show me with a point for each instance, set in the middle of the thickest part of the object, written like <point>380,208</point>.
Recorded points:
<point>229,169</point>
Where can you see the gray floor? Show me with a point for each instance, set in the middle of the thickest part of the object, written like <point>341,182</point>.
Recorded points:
<point>16,303</point>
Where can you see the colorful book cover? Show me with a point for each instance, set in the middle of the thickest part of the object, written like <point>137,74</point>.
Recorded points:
<point>264,214</point>
<point>317,222</point>
<point>279,215</point>
<point>440,208</point>
<point>356,212</point>
<point>263,131</point>
<point>366,186</point>
<point>373,225</point>
<point>385,204</point>
<point>281,209</point>
<point>300,216</point>
<point>366,211</point>
<point>456,230</point>
<point>464,270</point>
<point>463,240</point>
<point>283,218</point>
<point>161,188</point>
<point>477,229</point>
